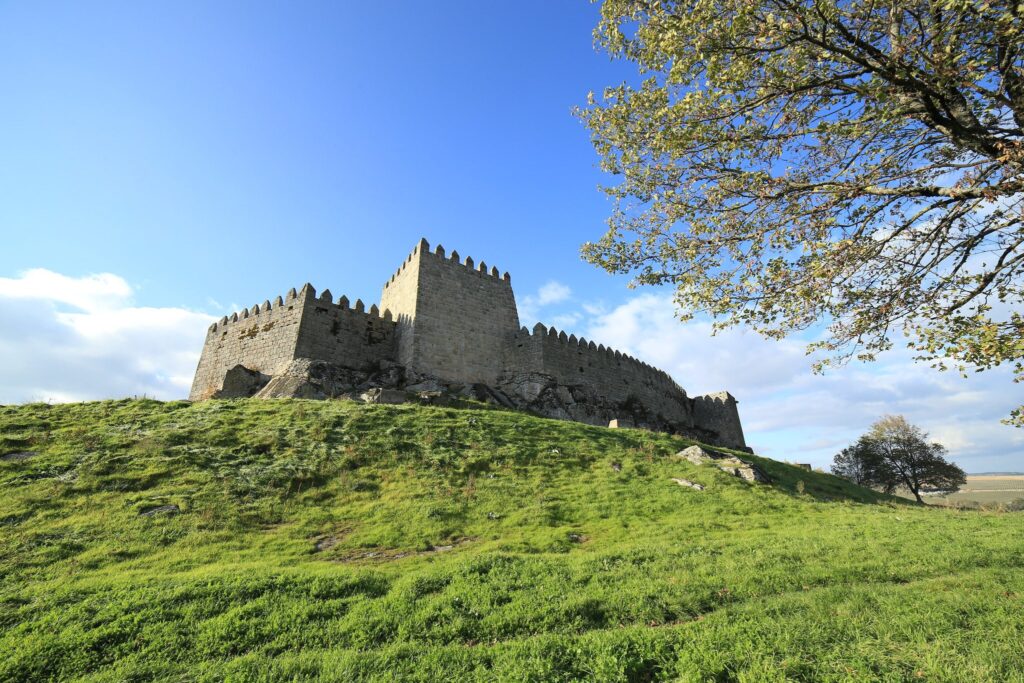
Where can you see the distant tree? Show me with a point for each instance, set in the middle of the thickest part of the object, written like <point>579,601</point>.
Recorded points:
<point>848,162</point>
<point>894,454</point>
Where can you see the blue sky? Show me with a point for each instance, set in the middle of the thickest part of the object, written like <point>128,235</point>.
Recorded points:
<point>164,163</point>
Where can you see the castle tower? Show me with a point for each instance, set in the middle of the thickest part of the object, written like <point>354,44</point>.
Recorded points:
<point>456,319</point>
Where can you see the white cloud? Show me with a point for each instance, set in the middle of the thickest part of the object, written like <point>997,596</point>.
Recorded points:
<point>77,338</point>
<point>790,413</point>
<point>90,293</point>
<point>551,292</point>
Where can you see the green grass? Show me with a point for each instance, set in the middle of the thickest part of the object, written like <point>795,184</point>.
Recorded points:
<point>313,544</point>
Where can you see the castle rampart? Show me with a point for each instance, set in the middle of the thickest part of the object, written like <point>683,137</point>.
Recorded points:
<point>451,319</point>
<point>617,377</point>
<point>457,319</point>
<point>349,337</point>
<point>261,339</point>
<point>267,337</point>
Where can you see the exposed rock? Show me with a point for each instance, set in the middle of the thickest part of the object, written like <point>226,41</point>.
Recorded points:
<point>390,375</point>
<point>328,542</point>
<point>160,510</point>
<point>727,463</point>
<point>387,396</point>
<point>241,382</point>
<point>427,385</point>
<point>435,398</point>
<point>20,455</point>
<point>307,378</point>
<point>687,482</point>
<point>620,424</point>
<point>485,394</point>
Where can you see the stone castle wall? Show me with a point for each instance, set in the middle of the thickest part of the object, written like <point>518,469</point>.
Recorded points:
<point>399,298</point>
<point>461,317</point>
<point>717,413</point>
<point>267,337</point>
<point>617,377</point>
<point>261,338</point>
<point>448,318</point>
<point>349,337</point>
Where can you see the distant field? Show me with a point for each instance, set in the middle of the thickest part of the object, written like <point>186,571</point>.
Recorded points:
<point>985,489</point>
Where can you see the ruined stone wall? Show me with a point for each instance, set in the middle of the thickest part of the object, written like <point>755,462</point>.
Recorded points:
<point>614,375</point>
<point>349,337</point>
<point>461,317</point>
<point>718,413</point>
<point>261,338</point>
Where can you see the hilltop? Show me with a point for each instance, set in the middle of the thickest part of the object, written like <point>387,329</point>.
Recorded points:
<point>330,540</point>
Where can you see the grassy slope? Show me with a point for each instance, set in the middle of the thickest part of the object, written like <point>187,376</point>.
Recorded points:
<point>562,566</point>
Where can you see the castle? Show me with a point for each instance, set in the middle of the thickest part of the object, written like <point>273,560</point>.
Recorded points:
<point>447,324</point>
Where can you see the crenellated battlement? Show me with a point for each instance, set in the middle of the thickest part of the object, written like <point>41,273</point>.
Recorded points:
<point>569,347</point>
<point>597,353</point>
<point>449,317</point>
<point>248,316</point>
<point>422,250</point>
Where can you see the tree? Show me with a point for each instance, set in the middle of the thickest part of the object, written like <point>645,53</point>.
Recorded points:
<point>857,164</point>
<point>894,454</point>
<point>850,464</point>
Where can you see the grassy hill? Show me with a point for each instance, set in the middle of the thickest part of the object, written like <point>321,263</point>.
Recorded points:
<point>298,540</point>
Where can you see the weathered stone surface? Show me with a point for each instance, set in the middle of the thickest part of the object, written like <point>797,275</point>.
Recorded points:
<point>300,325</point>
<point>455,320</point>
<point>20,455</point>
<point>308,378</point>
<point>687,482</point>
<point>717,413</point>
<point>446,327</point>
<point>388,396</point>
<point>727,463</point>
<point>160,510</point>
<point>429,386</point>
<point>241,382</point>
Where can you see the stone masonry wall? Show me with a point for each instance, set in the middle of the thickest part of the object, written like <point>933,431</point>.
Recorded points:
<point>455,320</point>
<point>718,413</point>
<point>267,337</point>
<point>349,337</point>
<point>464,317</point>
<point>261,338</point>
<point>399,299</point>
<point>614,375</point>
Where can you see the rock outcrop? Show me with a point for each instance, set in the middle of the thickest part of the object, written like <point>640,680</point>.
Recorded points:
<point>389,382</point>
<point>727,463</point>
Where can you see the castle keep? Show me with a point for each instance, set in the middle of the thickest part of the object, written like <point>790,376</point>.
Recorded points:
<point>446,325</point>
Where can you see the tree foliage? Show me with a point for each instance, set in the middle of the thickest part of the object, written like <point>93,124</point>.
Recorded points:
<point>792,162</point>
<point>895,454</point>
